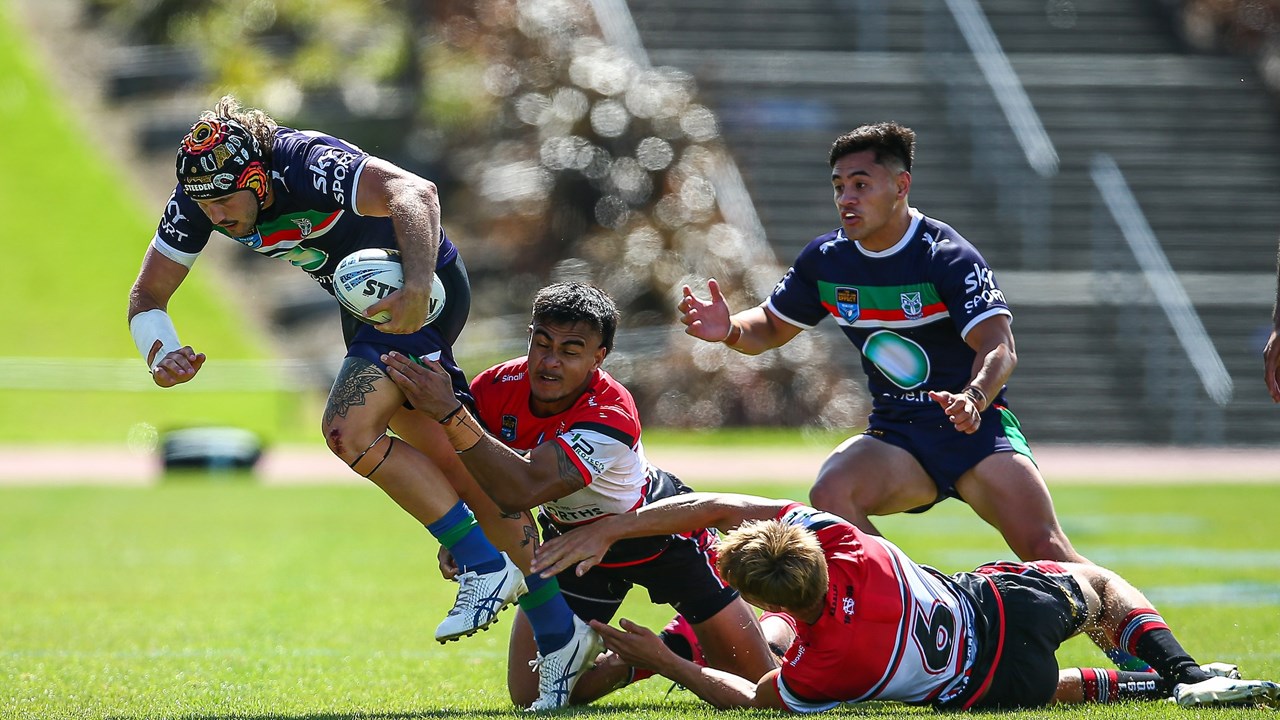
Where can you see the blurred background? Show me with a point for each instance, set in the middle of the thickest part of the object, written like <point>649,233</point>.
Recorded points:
<point>1116,162</point>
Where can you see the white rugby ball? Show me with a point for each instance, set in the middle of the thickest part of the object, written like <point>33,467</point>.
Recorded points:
<point>366,276</point>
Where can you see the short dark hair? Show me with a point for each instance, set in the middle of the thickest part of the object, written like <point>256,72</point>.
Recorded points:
<point>889,140</point>
<point>572,302</point>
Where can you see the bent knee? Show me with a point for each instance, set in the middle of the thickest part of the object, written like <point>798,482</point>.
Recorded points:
<point>831,493</point>
<point>348,441</point>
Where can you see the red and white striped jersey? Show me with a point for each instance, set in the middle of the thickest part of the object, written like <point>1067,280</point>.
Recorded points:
<point>891,629</point>
<point>600,433</point>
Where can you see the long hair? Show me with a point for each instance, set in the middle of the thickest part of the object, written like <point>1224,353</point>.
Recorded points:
<point>772,562</point>
<point>257,122</point>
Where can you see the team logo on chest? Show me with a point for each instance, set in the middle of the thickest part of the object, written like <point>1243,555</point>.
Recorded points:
<point>847,303</point>
<point>509,428</point>
<point>912,307</point>
<point>304,225</point>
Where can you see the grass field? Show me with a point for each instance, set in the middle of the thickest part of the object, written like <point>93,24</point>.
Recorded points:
<point>78,228</point>
<point>232,600</point>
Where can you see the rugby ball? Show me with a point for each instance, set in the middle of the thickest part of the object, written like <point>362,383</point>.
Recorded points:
<point>366,276</point>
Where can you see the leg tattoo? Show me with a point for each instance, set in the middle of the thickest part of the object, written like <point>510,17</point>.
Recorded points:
<point>355,381</point>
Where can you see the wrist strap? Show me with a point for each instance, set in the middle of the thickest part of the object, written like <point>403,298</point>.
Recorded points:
<point>146,328</point>
<point>977,396</point>
<point>463,429</point>
<point>734,334</point>
<point>445,420</point>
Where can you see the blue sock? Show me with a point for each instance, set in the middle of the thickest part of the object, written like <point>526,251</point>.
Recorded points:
<point>549,614</point>
<point>462,536</point>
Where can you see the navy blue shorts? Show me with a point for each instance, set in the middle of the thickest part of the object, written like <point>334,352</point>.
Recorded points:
<point>369,343</point>
<point>945,453</point>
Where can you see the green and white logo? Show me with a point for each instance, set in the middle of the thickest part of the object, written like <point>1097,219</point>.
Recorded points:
<point>903,361</point>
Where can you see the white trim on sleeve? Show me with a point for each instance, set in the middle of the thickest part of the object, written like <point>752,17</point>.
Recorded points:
<point>769,304</point>
<point>184,259</point>
<point>990,313</point>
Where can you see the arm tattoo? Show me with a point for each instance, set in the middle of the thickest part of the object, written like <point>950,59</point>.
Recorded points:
<point>570,475</point>
<point>355,381</point>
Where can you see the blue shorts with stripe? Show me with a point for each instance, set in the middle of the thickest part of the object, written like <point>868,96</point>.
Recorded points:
<point>369,343</point>
<point>945,453</point>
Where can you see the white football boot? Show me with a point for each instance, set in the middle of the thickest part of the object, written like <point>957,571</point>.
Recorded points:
<point>560,670</point>
<point>481,596</point>
<point>1218,691</point>
<point>1221,669</point>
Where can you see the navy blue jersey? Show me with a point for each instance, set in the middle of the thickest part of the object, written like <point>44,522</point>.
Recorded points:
<point>312,222</point>
<point>907,308</point>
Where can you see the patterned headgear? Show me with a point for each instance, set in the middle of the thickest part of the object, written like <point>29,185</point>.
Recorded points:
<point>219,157</point>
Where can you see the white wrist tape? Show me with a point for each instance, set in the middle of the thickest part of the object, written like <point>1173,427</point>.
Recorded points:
<point>152,325</point>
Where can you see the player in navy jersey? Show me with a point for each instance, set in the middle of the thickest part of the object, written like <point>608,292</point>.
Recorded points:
<point>932,327</point>
<point>311,199</point>
<point>563,434</point>
<point>870,624</point>
<point>923,308</point>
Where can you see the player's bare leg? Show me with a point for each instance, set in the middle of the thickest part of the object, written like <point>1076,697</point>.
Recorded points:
<point>515,533</point>
<point>1119,610</point>
<point>1007,491</point>
<point>360,407</point>
<point>732,641</point>
<point>362,402</point>
<point>864,477</point>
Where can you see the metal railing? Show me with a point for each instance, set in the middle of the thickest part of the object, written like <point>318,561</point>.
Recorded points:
<point>1166,379</point>
<point>1010,147</point>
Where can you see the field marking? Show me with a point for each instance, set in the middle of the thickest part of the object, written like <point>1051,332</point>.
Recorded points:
<point>718,467</point>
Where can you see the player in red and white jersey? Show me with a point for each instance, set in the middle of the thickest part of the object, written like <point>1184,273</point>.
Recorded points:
<point>870,624</point>
<point>890,629</point>
<point>599,433</point>
<point>565,435</point>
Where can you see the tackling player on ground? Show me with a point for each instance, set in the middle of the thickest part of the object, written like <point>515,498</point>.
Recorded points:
<point>566,436</point>
<point>311,199</point>
<point>870,624</point>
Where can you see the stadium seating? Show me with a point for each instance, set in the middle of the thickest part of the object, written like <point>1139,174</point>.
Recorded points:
<point>1105,76</point>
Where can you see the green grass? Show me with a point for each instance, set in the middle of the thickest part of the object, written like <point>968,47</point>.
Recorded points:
<point>233,600</point>
<point>75,232</point>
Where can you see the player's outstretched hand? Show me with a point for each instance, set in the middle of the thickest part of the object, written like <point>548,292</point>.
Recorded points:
<point>1271,364</point>
<point>424,383</point>
<point>584,546</point>
<point>637,645</point>
<point>963,412</point>
<point>705,319</point>
<point>177,367</point>
<point>408,308</point>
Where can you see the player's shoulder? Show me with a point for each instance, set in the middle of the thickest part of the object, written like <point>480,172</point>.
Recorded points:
<point>608,388</point>
<point>608,402</point>
<point>810,518</point>
<point>940,242</point>
<point>514,370</point>
<point>824,244</point>
<point>290,142</point>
